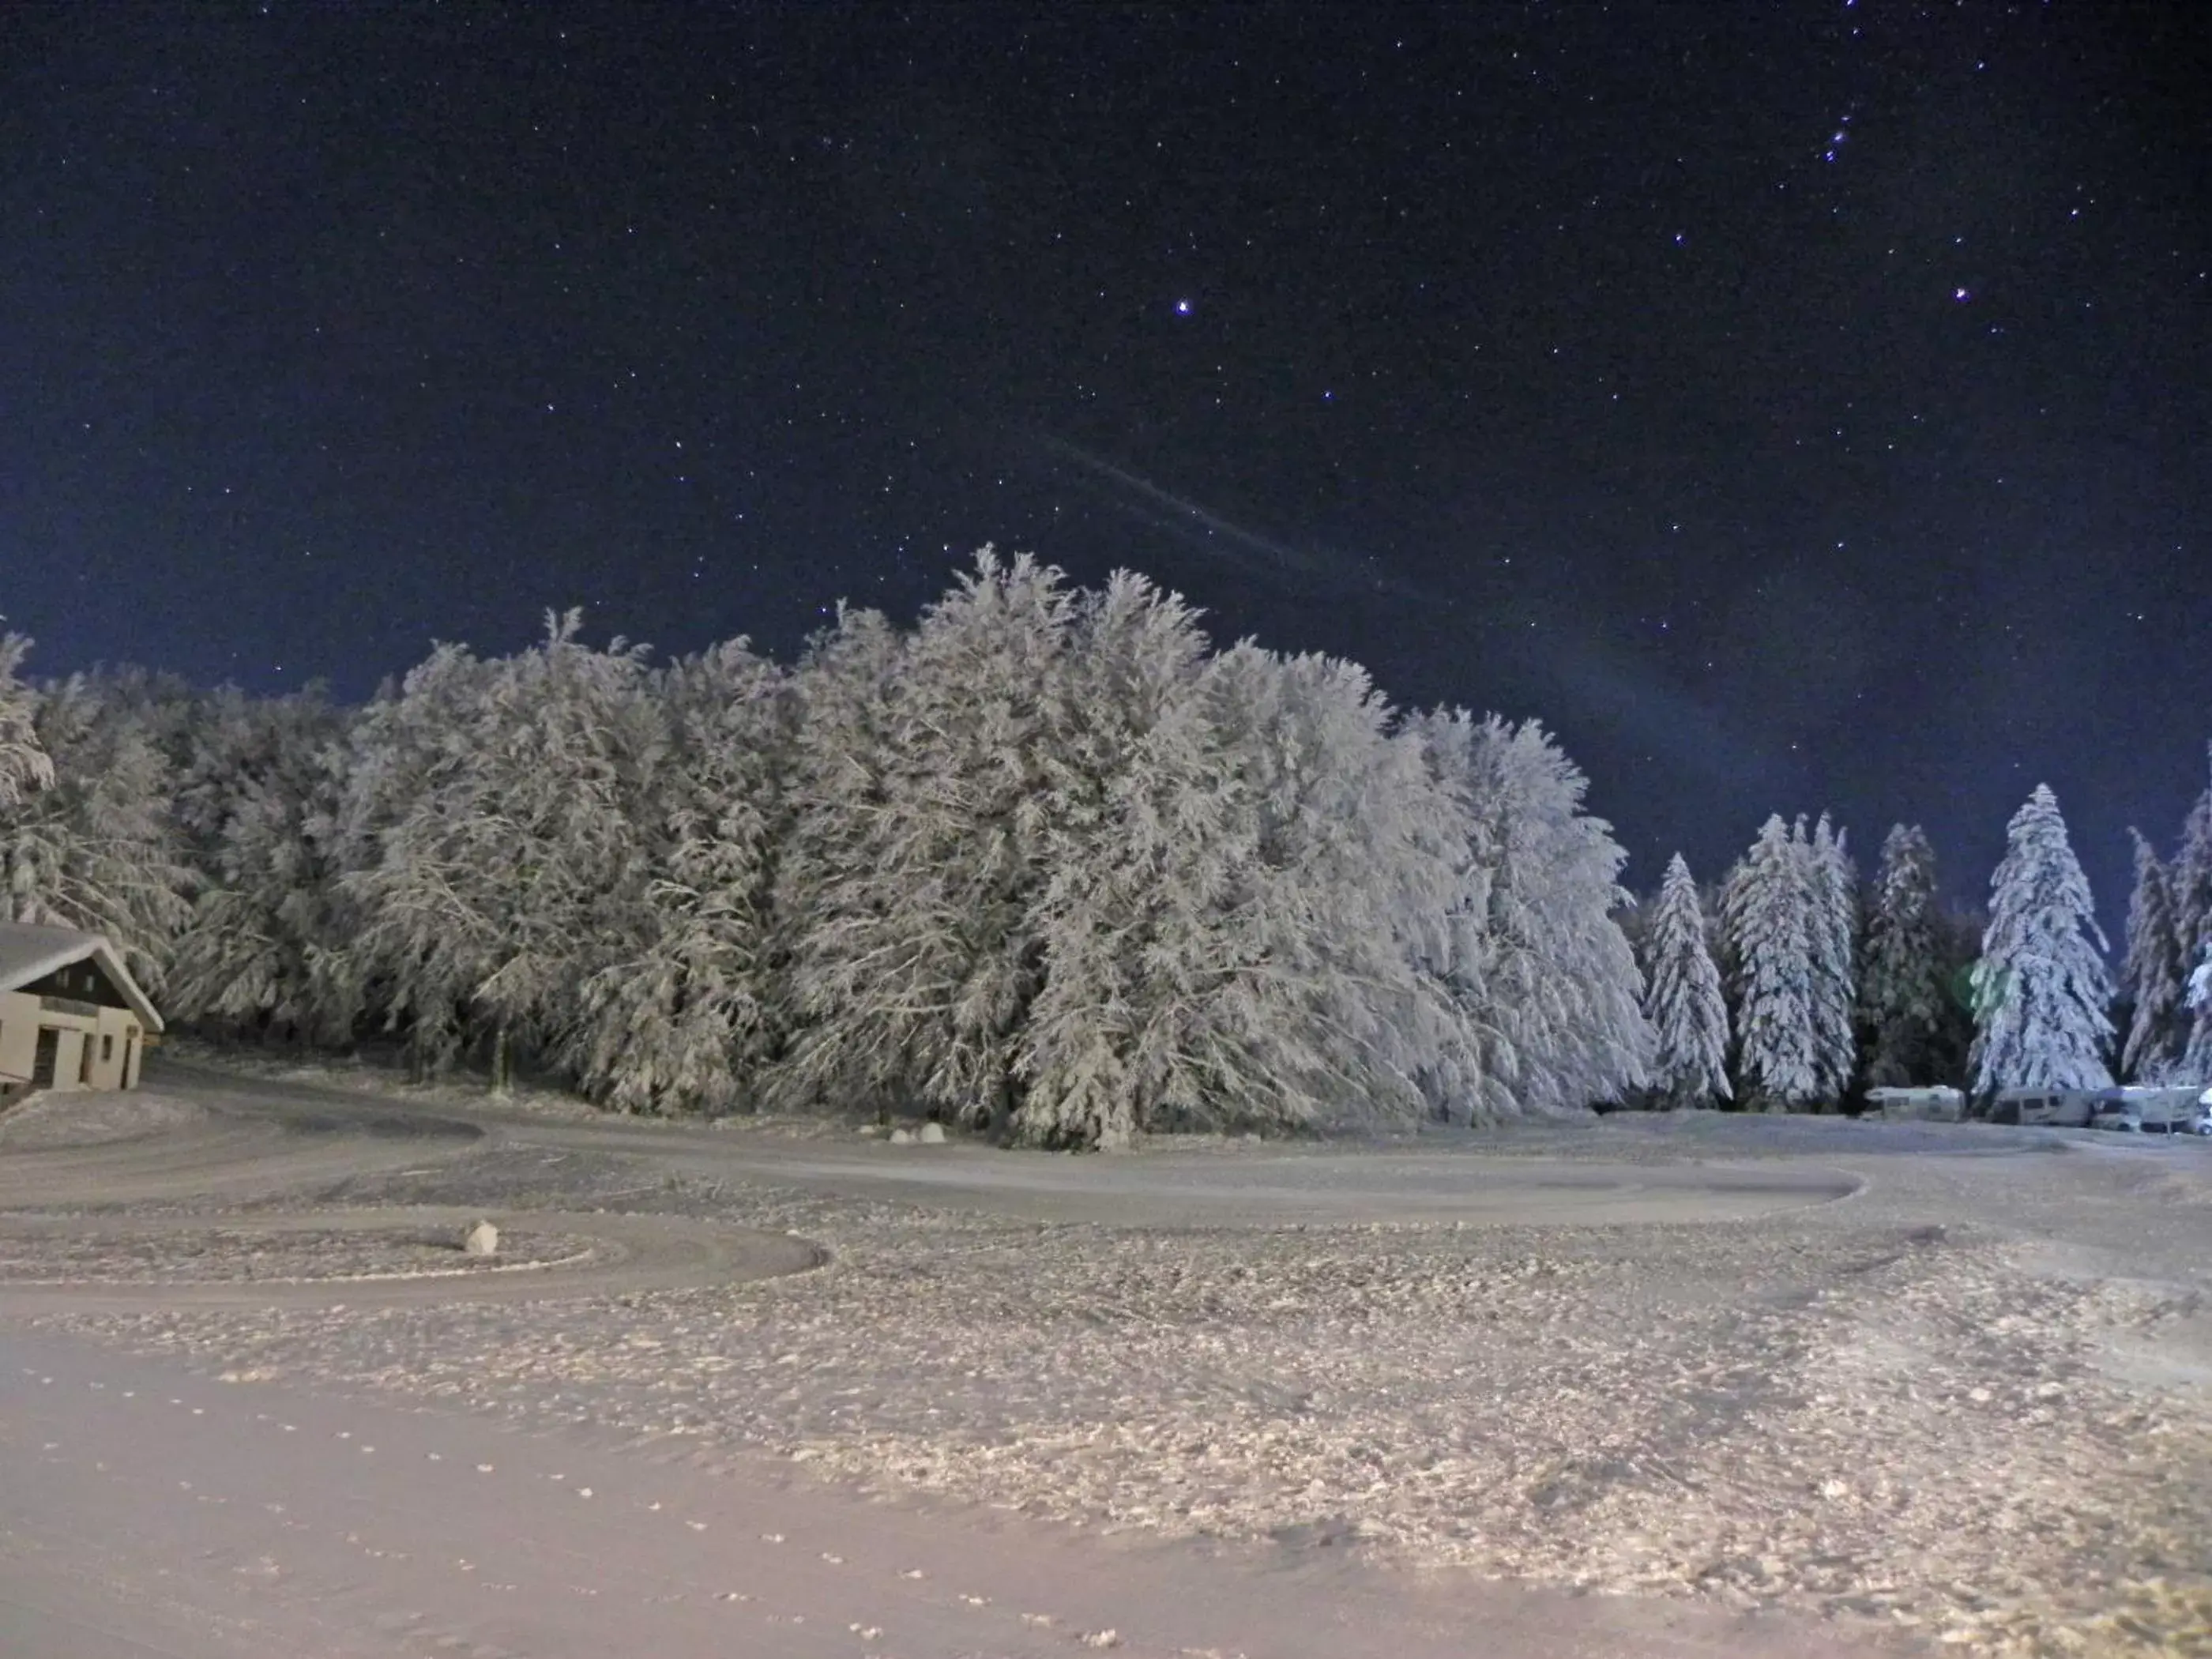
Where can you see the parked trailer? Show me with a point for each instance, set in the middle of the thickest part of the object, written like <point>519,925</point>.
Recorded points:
<point>1921,1105</point>
<point>2049,1109</point>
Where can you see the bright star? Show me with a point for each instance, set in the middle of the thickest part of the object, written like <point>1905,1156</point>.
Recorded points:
<point>1960,295</point>
<point>1182,307</point>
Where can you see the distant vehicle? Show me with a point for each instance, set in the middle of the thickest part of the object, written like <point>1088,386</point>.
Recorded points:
<point>2116,1111</point>
<point>1924,1105</point>
<point>2049,1109</point>
<point>2199,1122</point>
<point>2165,1111</point>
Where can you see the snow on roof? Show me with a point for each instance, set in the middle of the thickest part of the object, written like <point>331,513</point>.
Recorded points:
<point>28,954</point>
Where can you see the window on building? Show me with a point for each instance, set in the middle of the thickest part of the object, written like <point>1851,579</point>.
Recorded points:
<point>106,1047</point>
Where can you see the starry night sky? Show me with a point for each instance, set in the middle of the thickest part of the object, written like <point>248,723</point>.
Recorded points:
<point>1793,405</point>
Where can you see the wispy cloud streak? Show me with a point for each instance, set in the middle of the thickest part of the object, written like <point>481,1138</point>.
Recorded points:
<point>1596,681</point>
<point>1250,550</point>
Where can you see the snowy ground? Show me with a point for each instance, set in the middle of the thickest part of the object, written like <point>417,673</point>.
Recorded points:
<point>43,1121</point>
<point>1972,1401</point>
<point>123,1255</point>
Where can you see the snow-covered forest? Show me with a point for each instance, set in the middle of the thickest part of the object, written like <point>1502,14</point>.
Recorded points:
<point>1048,862</point>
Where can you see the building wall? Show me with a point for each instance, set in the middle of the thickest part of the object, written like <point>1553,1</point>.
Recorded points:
<point>116,1048</point>
<point>110,1038</point>
<point>18,1035</point>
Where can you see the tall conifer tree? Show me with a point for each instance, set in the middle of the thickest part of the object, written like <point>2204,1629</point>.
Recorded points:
<point>1833,928</point>
<point>1765,917</point>
<point>1682,997</point>
<point>2189,883</point>
<point>1901,995</point>
<point>921,810</point>
<point>2154,975</point>
<point>2041,988</point>
<point>685,1014</point>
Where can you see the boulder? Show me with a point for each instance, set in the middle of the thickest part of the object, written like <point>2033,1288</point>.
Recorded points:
<point>483,1239</point>
<point>933,1134</point>
<point>901,1138</point>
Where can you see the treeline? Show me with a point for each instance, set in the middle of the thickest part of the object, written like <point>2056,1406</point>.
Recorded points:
<point>1808,986</point>
<point>1796,987</point>
<point>1046,863</point>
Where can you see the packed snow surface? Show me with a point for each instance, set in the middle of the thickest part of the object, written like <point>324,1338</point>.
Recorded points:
<point>1894,1382</point>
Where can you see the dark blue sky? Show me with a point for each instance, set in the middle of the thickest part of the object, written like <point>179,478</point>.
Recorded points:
<point>1793,405</point>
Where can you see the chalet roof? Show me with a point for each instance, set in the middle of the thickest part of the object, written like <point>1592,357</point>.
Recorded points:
<point>28,954</point>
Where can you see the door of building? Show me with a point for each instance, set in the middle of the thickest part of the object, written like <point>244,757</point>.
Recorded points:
<point>44,1057</point>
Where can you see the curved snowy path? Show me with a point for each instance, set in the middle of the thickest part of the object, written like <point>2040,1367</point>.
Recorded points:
<point>603,1255</point>
<point>261,1136</point>
<point>253,1141</point>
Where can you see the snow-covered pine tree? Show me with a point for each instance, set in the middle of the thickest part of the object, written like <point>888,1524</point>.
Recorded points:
<point>914,864</point>
<point>96,850</point>
<point>259,772</point>
<point>1146,845</point>
<point>685,1013</point>
<point>2195,1062</point>
<point>506,881</point>
<point>1559,869</point>
<point>1958,948</point>
<point>25,768</point>
<point>1634,921</point>
<point>1542,975</point>
<point>393,749</point>
<point>1766,915</point>
<point>1682,997</point>
<point>838,781</point>
<point>2041,988</point>
<point>2154,975</point>
<point>1310,987</point>
<point>1832,882</point>
<point>2189,882</point>
<point>2195,1065</point>
<point>1901,993</point>
<point>1269,975</point>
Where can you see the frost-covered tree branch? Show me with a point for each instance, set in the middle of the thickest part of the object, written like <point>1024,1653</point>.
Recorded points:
<point>25,767</point>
